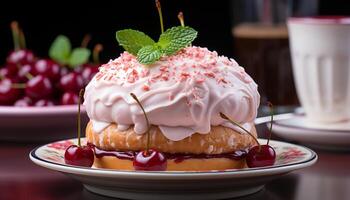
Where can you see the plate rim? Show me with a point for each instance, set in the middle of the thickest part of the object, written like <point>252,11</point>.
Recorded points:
<point>40,111</point>
<point>278,123</point>
<point>247,172</point>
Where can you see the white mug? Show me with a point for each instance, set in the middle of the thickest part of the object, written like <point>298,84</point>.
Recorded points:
<point>320,48</point>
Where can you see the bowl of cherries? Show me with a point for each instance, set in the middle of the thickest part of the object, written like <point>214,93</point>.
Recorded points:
<point>39,96</point>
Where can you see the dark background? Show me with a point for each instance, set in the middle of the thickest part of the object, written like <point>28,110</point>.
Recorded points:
<point>43,21</point>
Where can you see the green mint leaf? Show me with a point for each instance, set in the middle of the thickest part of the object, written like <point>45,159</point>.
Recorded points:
<point>149,54</point>
<point>176,38</point>
<point>78,57</point>
<point>132,41</point>
<point>60,49</point>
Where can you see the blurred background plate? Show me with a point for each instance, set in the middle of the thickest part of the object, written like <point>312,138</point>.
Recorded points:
<point>296,128</point>
<point>39,123</point>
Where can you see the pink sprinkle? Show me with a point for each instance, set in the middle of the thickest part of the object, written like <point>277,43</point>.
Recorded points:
<point>156,76</point>
<point>209,74</point>
<point>125,67</point>
<point>164,68</point>
<point>222,80</point>
<point>200,80</point>
<point>212,62</point>
<point>131,79</point>
<point>185,74</point>
<point>134,72</point>
<point>145,72</point>
<point>226,61</point>
<point>146,87</point>
<point>99,75</point>
<point>165,77</point>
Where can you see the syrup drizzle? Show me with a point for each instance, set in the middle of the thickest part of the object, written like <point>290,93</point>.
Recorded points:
<point>177,157</point>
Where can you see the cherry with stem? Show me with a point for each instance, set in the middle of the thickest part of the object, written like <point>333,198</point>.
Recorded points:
<point>85,41</point>
<point>77,154</point>
<point>222,115</point>
<point>269,104</point>
<point>20,55</point>
<point>81,93</point>
<point>15,35</point>
<point>159,8</point>
<point>261,155</point>
<point>150,159</point>
<point>180,16</point>
<point>96,53</point>
<point>22,39</point>
<point>147,121</point>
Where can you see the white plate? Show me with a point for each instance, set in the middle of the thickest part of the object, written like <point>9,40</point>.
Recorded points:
<point>297,128</point>
<point>39,123</point>
<point>175,185</point>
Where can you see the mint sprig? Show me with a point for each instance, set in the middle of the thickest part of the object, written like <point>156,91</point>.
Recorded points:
<point>147,51</point>
<point>132,40</point>
<point>61,52</point>
<point>149,54</point>
<point>176,38</point>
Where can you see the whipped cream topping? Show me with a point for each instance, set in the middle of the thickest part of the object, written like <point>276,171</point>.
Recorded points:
<point>183,94</point>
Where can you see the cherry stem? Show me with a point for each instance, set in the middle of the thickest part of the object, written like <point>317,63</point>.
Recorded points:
<point>159,8</point>
<point>81,93</point>
<point>29,76</point>
<point>86,40</point>
<point>96,53</point>
<point>22,39</point>
<point>180,16</point>
<point>18,85</point>
<point>147,121</point>
<point>15,35</point>
<point>222,115</point>
<point>271,122</point>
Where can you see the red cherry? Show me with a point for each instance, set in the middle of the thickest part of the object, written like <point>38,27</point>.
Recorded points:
<point>8,94</point>
<point>44,103</point>
<point>22,57</point>
<point>88,73</point>
<point>39,87</point>
<point>261,155</point>
<point>265,157</point>
<point>150,160</point>
<point>48,68</point>
<point>69,98</point>
<point>88,65</point>
<point>80,156</point>
<point>24,102</point>
<point>64,71</point>
<point>12,68</point>
<point>9,71</point>
<point>24,71</point>
<point>71,82</point>
<point>78,69</point>
<point>6,73</point>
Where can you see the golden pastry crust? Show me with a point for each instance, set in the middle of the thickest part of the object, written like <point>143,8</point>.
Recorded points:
<point>220,140</point>
<point>111,162</point>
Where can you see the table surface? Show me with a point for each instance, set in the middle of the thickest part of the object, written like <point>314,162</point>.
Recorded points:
<point>20,179</point>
